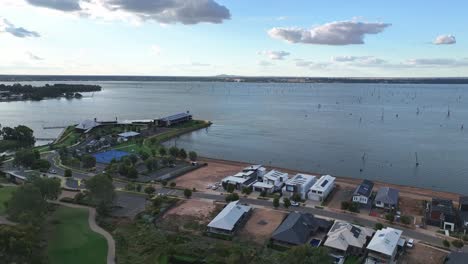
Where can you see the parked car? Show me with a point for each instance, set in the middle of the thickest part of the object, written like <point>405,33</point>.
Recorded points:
<point>53,171</point>
<point>293,203</point>
<point>410,243</point>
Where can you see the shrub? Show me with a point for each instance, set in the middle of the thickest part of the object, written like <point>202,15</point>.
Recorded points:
<point>149,190</point>
<point>276,202</point>
<point>231,188</point>
<point>457,243</point>
<point>263,193</point>
<point>378,226</point>
<point>296,197</point>
<point>187,193</point>
<point>247,190</point>
<point>164,183</point>
<point>405,219</point>
<point>345,205</point>
<point>193,156</point>
<point>232,197</point>
<point>173,184</point>
<point>68,173</point>
<point>286,202</point>
<point>446,243</point>
<point>390,217</point>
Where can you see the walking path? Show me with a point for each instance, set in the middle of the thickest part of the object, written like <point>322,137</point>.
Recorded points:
<point>96,228</point>
<point>4,221</point>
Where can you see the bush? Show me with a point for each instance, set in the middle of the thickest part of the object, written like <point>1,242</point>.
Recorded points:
<point>247,190</point>
<point>405,219</point>
<point>164,183</point>
<point>193,156</point>
<point>187,193</point>
<point>286,202</point>
<point>68,173</point>
<point>173,184</point>
<point>446,243</point>
<point>230,188</point>
<point>378,226</point>
<point>150,190</point>
<point>296,197</point>
<point>345,205</point>
<point>263,193</point>
<point>390,217</point>
<point>457,243</point>
<point>276,202</point>
<point>232,197</point>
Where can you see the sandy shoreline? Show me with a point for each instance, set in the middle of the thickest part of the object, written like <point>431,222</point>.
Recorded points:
<point>407,191</point>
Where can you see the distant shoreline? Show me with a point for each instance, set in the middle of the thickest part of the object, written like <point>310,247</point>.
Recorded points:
<point>232,78</point>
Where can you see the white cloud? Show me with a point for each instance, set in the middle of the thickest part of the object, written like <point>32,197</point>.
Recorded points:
<point>163,11</point>
<point>311,64</point>
<point>62,5</point>
<point>20,32</point>
<point>445,40</point>
<point>436,62</point>
<point>281,18</point>
<point>33,57</point>
<point>334,33</point>
<point>359,60</point>
<point>274,55</point>
<point>264,63</point>
<point>155,50</point>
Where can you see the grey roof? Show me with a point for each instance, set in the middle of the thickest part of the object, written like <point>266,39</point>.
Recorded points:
<point>175,117</point>
<point>387,195</point>
<point>364,189</point>
<point>463,200</point>
<point>229,216</point>
<point>444,206</point>
<point>456,258</point>
<point>129,134</point>
<point>297,228</point>
<point>87,125</point>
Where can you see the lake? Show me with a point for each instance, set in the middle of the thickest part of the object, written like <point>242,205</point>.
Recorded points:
<point>374,131</point>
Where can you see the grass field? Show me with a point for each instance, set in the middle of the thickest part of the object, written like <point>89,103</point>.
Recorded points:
<point>5,195</point>
<point>72,241</point>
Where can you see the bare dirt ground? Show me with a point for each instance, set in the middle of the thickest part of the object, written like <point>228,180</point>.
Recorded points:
<point>197,208</point>
<point>422,254</point>
<point>208,175</point>
<point>342,193</point>
<point>261,224</point>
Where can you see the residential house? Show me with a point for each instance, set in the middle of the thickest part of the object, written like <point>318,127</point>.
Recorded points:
<point>463,212</point>
<point>383,247</point>
<point>231,217</point>
<point>238,182</point>
<point>257,170</point>
<point>263,187</point>
<point>322,188</point>
<point>348,239</point>
<point>298,228</point>
<point>123,137</point>
<point>87,125</point>
<point>275,178</point>
<point>300,184</point>
<point>387,198</point>
<point>440,212</point>
<point>363,192</point>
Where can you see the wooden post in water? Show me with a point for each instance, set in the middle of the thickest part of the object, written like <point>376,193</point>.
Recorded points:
<point>417,161</point>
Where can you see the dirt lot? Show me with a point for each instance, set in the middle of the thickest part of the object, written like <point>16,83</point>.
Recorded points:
<point>342,193</point>
<point>261,225</point>
<point>214,172</point>
<point>196,208</point>
<point>422,254</point>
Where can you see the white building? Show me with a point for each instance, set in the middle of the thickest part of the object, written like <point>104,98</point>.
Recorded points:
<point>384,246</point>
<point>238,182</point>
<point>258,171</point>
<point>123,137</point>
<point>229,218</point>
<point>299,184</point>
<point>363,192</point>
<point>263,186</point>
<point>322,188</point>
<point>345,238</point>
<point>275,178</point>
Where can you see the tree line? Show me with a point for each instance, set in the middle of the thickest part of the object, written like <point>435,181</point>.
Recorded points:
<point>49,91</point>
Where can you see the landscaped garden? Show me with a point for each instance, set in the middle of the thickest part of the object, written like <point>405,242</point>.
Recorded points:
<point>5,195</point>
<point>70,239</point>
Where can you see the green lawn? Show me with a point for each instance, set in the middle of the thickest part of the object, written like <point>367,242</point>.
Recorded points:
<point>72,241</point>
<point>5,195</point>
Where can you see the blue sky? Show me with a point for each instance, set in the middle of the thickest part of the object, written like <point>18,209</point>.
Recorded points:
<point>208,37</point>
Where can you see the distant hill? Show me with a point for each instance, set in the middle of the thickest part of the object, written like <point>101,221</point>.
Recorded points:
<point>230,78</point>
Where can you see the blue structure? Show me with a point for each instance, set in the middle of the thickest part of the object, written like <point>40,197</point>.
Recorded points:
<point>108,156</point>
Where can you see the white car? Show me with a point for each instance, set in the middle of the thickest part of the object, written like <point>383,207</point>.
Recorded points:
<point>53,172</point>
<point>293,203</point>
<point>410,243</point>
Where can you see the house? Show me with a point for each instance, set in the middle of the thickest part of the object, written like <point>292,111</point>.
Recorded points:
<point>463,212</point>
<point>263,187</point>
<point>363,192</point>
<point>257,170</point>
<point>238,182</point>
<point>300,184</point>
<point>348,239</point>
<point>174,119</point>
<point>227,221</point>
<point>87,125</point>
<point>298,228</point>
<point>440,212</point>
<point>275,178</point>
<point>322,188</point>
<point>387,198</point>
<point>383,247</point>
<point>123,137</point>
<point>456,258</point>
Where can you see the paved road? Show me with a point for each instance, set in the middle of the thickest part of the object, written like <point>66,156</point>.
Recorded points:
<point>52,157</point>
<point>348,217</point>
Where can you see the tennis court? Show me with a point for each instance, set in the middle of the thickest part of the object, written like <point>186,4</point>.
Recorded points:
<point>108,156</point>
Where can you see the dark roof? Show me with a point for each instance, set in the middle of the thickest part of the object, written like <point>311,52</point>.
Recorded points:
<point>443,206</point>
<point>456,258</point>
<point>364,189</point>
<point>387,195</point>
<point>463,200</point>
<point>297,228</point>
<point>175,117</point>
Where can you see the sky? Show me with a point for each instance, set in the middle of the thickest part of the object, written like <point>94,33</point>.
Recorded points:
<point>359,38</point>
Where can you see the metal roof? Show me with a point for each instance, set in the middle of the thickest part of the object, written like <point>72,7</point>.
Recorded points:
<point>129,134</point>
<point>364,189</point>
<point>300,179</point>
<point>229,216</point>
<point>323,183</point>
<point>385,241</point>
<point>87,124</point>
<point>343,234</point>
<point>387,195</point>
<point>175,117</point>
<point>297,228</point>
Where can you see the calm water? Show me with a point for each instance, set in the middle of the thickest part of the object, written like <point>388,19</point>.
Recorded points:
<point>360,130</point>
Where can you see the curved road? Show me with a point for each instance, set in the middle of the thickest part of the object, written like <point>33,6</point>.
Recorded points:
<point>94,226</point>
